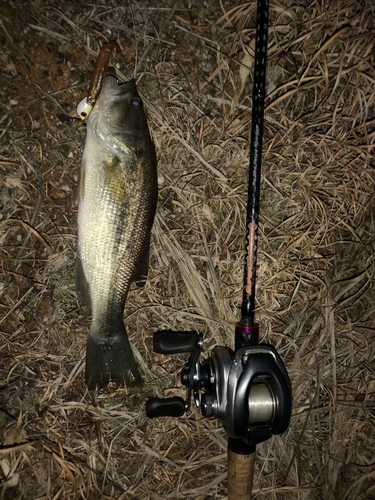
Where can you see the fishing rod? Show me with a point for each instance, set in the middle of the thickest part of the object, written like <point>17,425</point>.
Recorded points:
<point>248,389</point>
<point>241,454</point>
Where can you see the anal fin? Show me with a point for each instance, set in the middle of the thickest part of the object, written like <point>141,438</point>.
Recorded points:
<point>82,285</point>
<point>141,277</point>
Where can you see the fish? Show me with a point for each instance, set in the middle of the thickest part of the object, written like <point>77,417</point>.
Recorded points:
<point>117,199</point>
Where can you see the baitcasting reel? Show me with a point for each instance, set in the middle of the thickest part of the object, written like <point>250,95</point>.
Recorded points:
<point>247,390</point>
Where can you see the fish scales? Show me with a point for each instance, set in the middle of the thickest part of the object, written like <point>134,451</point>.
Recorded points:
<point>117,202</point>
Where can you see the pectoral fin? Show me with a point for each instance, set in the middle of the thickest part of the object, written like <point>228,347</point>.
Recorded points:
<point>82,285</point>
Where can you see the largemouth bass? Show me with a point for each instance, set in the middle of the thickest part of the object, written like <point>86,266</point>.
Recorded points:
<point>116,207</point>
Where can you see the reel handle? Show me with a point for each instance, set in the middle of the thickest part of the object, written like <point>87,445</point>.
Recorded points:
<point>165,407</point>
<point>169,342</point>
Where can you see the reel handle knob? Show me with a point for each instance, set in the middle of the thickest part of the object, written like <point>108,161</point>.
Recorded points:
<point>167,407</point>
<point>169,342</point>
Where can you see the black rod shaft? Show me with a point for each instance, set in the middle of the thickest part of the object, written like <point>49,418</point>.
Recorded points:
<point>256,142</point>
<point>241,453</point>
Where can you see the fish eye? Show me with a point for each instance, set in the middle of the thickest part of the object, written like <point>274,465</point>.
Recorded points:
<point>137,102</point>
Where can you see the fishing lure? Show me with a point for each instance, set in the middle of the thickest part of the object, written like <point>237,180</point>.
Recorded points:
<point>84,108</point>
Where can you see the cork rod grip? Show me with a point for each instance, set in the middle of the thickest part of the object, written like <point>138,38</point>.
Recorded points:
<point>240,475</point>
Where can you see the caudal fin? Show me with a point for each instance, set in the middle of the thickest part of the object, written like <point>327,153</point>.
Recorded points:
<point>110,359</point>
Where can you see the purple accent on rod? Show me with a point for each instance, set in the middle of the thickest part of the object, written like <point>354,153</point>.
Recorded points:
<point>246,335</point>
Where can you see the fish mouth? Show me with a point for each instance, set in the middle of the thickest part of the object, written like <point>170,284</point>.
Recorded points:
<point>114,89</point>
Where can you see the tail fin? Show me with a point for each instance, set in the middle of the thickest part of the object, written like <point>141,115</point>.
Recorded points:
<point>110,359</point>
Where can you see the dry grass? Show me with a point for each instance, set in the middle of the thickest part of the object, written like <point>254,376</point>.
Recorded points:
<point>316,263</point>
